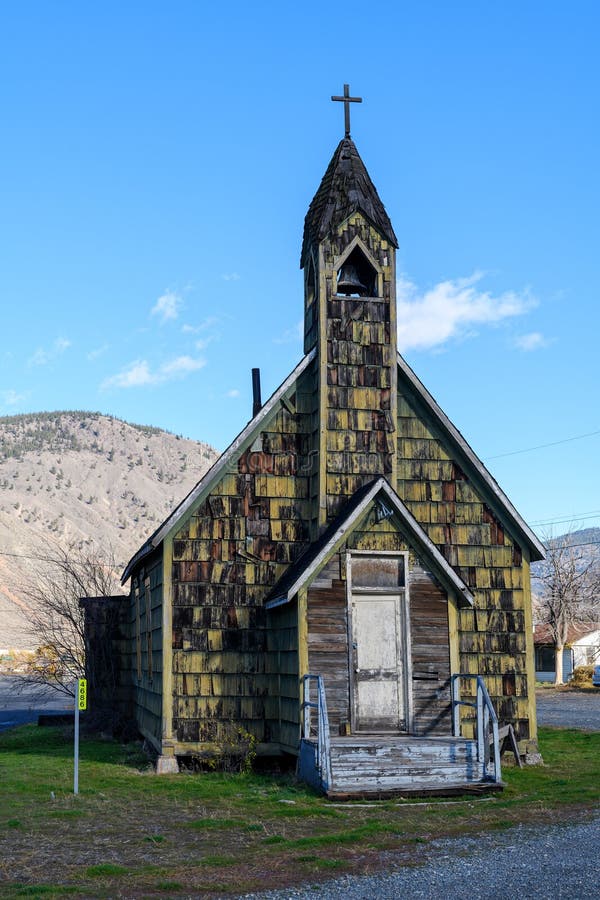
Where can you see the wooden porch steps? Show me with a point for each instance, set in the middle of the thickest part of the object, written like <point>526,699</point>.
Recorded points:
<point>379,765</point>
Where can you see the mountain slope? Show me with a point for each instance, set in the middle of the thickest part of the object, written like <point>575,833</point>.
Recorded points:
<point>584,541</point>
<point>585,544</point>
<point>79,476</point>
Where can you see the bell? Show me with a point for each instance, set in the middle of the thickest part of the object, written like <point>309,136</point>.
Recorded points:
<point>349,281</point>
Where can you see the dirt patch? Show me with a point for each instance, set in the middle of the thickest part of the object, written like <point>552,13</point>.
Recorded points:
<point>130,833</point>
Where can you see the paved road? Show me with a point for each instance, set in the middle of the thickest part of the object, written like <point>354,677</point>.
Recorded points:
<point>569,708</point>
<point>20,705</point>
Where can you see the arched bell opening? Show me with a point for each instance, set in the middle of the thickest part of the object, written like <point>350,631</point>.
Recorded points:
<point>311,283</point>
<point>356,277</point>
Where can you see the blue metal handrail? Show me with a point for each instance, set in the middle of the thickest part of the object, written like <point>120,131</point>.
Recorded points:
<point>321,731</point>
<point>485,715</point>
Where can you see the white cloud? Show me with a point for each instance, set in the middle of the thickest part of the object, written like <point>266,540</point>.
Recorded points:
<point>42,356</point>
<point>99,351</point>
<point>182,365</point>
<point>291,335</point>
<point>233,393</point>
<point>450,310</point>
<point>12,398</point>
<point>61,344</point>
<point>135,375</point>
<point>209,322</point>
<point>231,276</point>
<point>167,306</point>
<point>139,373</point>
<point>533,341</point>
<point>39,358</point>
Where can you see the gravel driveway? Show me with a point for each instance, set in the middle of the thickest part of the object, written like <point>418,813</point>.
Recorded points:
<point>572,709</point>
<point>551,862</point>
<point>554,861</point>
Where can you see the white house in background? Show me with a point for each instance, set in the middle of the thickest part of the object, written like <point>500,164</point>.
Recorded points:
<point>582,649</point>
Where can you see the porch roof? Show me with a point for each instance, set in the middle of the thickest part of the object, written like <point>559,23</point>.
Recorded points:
<point>302,572</point>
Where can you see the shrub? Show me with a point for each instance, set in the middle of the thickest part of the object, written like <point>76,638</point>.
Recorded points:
<point>236,753</point>
<point>582,676</point>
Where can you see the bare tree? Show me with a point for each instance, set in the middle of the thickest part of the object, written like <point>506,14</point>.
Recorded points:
<point>569,592</point>
<point>59,577</point>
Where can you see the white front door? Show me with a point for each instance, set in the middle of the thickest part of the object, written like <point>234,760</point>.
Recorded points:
<point>377,658</point>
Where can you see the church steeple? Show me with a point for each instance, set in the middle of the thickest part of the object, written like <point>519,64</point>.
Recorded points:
<point>348,256</point>
<point>346,188</point>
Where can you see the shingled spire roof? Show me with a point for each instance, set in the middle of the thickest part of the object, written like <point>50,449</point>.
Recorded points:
<point>345,189</point>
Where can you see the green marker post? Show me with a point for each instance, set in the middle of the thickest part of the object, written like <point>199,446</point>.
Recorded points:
<point>80,703</point>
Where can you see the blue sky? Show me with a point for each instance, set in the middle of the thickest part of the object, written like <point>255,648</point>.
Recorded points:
<point>158,160</point>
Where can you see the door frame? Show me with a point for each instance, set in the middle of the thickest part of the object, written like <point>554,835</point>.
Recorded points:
<point>405,635</point>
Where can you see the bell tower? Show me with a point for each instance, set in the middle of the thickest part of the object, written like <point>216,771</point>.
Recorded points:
<point>348,257</point>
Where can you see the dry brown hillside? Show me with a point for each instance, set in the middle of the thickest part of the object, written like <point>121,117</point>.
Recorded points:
<point>78,476</point>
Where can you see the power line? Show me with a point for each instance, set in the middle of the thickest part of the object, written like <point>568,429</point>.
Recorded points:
<point>586,512</point>
<point>568,546</point>
<point>577,437</point>
<point>582,517</point>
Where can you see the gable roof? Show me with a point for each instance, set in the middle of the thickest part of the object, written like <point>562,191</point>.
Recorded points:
<point>542,634</point>
<point>521,528</point>
<point>207,482</point>
<point>308,565</point>
<point>346,188</point>
<point>248,434</point>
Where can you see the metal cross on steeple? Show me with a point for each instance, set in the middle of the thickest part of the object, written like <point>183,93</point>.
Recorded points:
<point>347,100</point>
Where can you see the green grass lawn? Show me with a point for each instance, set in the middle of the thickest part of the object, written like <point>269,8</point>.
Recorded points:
<point>130,833</point>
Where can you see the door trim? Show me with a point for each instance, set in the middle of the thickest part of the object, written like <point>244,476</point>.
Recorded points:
<point>405,632</point>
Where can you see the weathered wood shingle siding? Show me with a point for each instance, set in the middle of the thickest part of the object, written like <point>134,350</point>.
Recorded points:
<point>454,511</point>
<point>283,665</point>
<point>359,349</point>
<point>148,681</point>
<point>307,405</point>
<point>226,557</point>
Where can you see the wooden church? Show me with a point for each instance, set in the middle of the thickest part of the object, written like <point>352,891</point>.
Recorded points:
<point>348,583</point>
